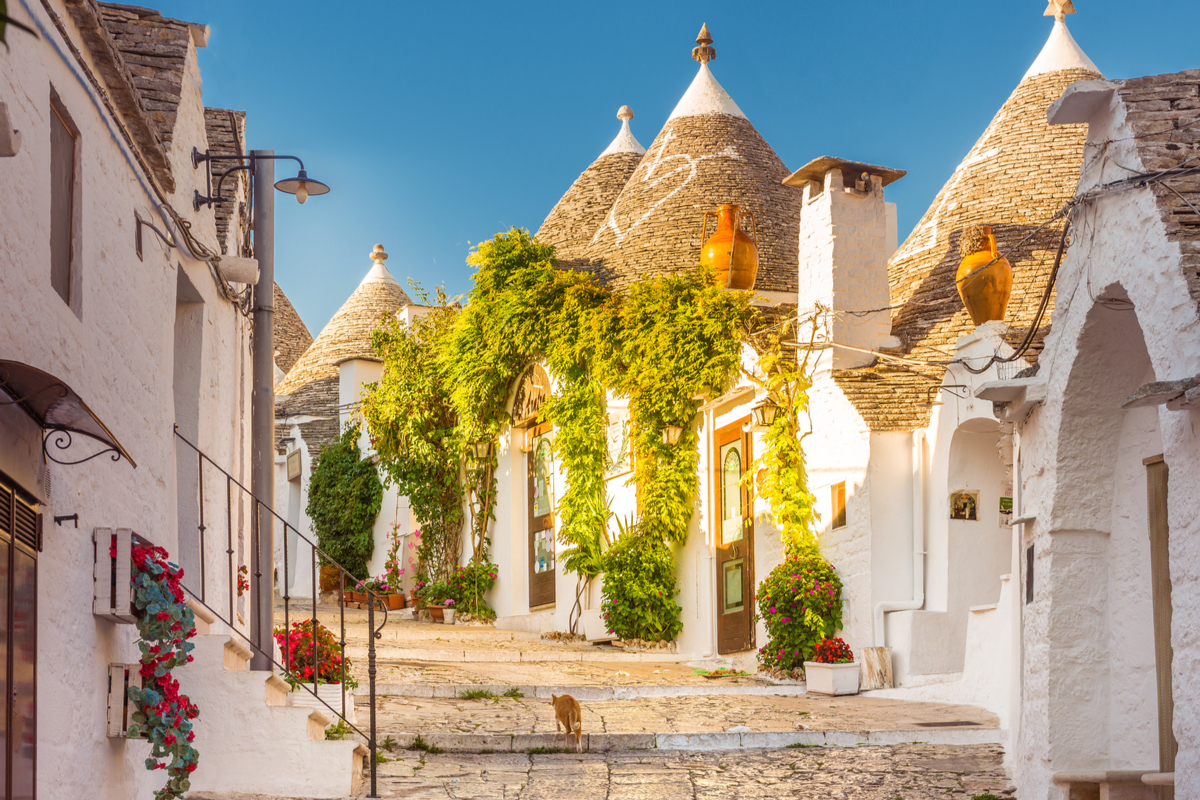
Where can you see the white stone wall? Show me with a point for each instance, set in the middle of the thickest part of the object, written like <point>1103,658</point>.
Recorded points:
<point>1087,703</point>
<point>117,354</point>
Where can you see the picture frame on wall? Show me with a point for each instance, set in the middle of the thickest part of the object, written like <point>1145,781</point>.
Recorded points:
<point>618,457</point>
<point>964,505</point>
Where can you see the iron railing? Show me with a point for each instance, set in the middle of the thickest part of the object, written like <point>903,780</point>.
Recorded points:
<point>236,491</point>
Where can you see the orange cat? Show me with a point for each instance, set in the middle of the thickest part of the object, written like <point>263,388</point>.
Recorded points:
<point>568,714</point>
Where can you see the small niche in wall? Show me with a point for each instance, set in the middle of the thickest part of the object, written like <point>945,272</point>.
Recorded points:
<point>964,505</point>
<point>1029,575</point>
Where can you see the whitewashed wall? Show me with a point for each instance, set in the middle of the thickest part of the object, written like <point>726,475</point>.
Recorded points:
<point>1082,473</point>
<point>118,355</point>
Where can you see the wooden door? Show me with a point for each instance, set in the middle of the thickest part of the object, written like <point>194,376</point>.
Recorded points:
<point>19,541</point>
<point>1160,583</point>
<point>734,536</point>
<point>541,518</point>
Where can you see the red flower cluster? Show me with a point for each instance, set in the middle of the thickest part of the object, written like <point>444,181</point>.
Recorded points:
<point>298,653</point>
<point>165,624</point>
<point>833,651</point>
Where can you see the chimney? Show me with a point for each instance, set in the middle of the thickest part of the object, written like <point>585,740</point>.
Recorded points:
<point>847,234</point>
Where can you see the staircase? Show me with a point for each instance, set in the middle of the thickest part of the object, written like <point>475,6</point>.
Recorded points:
<point>252,739</point>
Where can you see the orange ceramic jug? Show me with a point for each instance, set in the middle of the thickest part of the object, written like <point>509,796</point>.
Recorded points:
<point>984,277</point>
<point>730,252</point>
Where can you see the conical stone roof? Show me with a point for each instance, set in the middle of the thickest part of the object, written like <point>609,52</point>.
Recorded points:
<point>291,335</point>
<point>706,154</point>
<point>573,220</point>
<point>1020,172</point>
<point>348,334</point>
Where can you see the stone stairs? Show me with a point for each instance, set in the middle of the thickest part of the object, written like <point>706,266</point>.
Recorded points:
<point>252,739</point>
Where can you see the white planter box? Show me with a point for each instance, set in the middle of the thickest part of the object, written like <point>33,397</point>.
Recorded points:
<point>120,707</point>
<point>331,693</point>
<point>448,616</point>
<point>112,590</point>
<point>831,679</point>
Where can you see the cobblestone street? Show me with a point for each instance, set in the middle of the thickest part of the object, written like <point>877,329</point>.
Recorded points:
<point>907,772</point>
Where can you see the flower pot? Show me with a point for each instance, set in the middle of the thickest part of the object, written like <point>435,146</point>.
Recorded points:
<point>436,612</point>
<point>348,597</point>
<point>831,679</point>
<point>395,602</point>
<point>448,615</point>
<point>358,597</point>
<point>331,693</point>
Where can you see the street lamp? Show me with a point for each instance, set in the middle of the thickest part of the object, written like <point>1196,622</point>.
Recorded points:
<point>260,166</point>
<point>764,413</point>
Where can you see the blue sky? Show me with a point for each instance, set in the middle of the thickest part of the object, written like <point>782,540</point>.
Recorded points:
<point>439,124</point>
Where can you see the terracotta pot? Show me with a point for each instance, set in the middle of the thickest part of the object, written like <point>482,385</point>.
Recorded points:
<point>436,613</point>
<point>395,602</point>
<point>347,597</point>
<point>358,597</point>
<point>984,278</point>
<point>730,251</point>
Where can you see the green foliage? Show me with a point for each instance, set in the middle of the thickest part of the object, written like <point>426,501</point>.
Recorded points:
<point>468,586</point>
<point>415,430</point>
<point>419,743</point>
<point>514,693</point>
<point>677,339</point>
<point>338,731</point>
<point>800,603</point>
<point>477,694</point>
<point>786,381</point>
<point>639,588</point>
<point>344,497</point>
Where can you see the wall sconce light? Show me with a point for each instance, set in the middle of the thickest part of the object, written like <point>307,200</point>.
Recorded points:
<point>522,440</point>
<point>764,413</point>
<point>480,448</point>
<point>671,434</point>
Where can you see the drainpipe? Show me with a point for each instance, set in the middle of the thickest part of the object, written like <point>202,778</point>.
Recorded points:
<point>918,546</point>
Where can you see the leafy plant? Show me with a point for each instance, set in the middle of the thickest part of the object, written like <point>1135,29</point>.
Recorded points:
<point>299,658</point>
<point>344,498</point>
<point>638,600</point>
<point>338,731</point>
<point>393,572</point>
<point>165,625</point>
<point>800,603</point>
<point>514,693</point>
<point>477,694</point>
<point>468,585</point>
<point>419,743</point>
<point>833,651</point>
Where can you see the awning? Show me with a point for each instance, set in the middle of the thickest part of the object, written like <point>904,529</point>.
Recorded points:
<point>56,408</point>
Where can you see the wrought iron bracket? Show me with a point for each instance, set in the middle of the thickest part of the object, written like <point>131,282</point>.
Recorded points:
<point>67,518</point>
<point>63,440</point>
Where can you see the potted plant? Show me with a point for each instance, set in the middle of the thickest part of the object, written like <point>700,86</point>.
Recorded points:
<point>834,672</point>
<point>448,611</point>
<point>435,596</point>
<point>393,572</point>
<point>359,593</point>
<point>297,647</point>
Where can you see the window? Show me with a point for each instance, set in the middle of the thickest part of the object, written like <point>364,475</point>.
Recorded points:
<point>20,534</point>
<point>838,502</point>
<point>63,205</point>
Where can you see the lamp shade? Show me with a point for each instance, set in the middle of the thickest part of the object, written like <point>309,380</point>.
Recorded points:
<point>764,413</point>
<point>671,434</point>
<point>302,186</point>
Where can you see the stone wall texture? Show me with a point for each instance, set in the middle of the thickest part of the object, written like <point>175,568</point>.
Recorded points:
<point>694,165</point>
<point>1016,177</point>
<point>572,222</point>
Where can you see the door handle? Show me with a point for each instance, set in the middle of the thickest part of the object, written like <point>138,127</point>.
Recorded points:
<point>733,551</point>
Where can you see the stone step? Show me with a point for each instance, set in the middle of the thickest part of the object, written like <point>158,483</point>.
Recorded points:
<point>607,742</point>
<point>581,693</point>
<point>385,652</point>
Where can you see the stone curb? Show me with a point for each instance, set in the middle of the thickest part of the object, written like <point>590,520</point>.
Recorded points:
<point>609,742</point>
<point>385,652</point>
<point>442,691</point>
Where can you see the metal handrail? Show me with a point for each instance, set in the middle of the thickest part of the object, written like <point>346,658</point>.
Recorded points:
<point>373,598</point>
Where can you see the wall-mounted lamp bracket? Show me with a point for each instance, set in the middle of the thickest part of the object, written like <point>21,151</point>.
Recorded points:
<point>67,518</point>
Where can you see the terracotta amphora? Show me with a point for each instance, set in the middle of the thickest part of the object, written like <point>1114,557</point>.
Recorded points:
<point>730,251</point>
<point>984,277</point>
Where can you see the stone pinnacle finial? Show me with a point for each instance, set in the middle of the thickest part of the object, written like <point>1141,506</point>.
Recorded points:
<point>378,256</point>
<point>1059,9</point>
<point>624,113</point>
<point>704,52</point>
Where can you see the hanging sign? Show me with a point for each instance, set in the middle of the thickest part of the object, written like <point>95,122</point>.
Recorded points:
<point>532,392</point>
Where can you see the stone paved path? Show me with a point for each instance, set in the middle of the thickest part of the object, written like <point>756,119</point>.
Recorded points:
<point>904,772</point>
<point>695,714</point>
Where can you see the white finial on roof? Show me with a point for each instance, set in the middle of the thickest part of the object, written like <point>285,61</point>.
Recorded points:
<point>378,271</point>
<point>705,95</point>
<point>1060,51</point>
<point>625,141</point>
<point>1059,9</point>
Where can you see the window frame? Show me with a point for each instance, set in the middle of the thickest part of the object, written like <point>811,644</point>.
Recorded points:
<point>74,296</point>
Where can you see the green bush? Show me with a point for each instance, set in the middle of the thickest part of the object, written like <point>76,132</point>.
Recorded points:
<point>344,497</point>
<point>800,603</point>
<point>639,588</point>
<point>469,585</point>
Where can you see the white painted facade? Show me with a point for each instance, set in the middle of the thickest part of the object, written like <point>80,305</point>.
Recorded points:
<point>1124,317</point>
<point>146,344</point>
